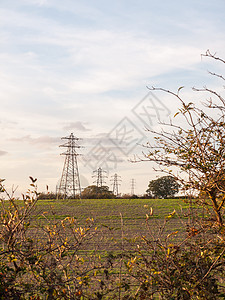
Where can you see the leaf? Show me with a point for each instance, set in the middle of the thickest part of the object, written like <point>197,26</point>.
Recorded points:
<point>32,179</point>
<point>181,87</point>
<point>170,234</point>
<point>151,211</point>
<point>171,215</point>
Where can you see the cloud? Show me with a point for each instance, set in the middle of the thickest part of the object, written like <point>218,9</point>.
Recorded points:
<point>42,140</point>
<point>3,153</point>
<point>96,60</point>
<point>76,126</point>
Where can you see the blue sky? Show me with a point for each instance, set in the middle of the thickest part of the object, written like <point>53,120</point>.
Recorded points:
<point>82,66</point>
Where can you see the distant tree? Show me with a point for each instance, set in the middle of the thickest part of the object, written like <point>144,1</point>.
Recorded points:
<point>129,196</point>
<point>163,187</point>
<point>47,196</point>
<point>95,192</point>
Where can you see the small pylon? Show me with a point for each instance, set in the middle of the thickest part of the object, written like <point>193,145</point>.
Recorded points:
<point>100,175</point>
<point>132,186</point>
<point>69,186</point>
<point>115,184</point>
<point>1,185</point>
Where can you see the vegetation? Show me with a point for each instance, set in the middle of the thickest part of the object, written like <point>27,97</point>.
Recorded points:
<point>95,192</point>
<point>189,269</point>
<point>196,149</point>
<point>48,195</point>
<point>39,259</point>
<point>47,253</point>
<point>163,187</point>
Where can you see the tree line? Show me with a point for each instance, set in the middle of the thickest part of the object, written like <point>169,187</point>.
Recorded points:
<point>163,187</point>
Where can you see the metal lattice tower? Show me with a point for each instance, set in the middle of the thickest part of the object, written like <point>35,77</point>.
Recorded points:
<point>132,186</point>
<point>115,184</point>
<point>100,175</point>
<point>69,186</point>
<point>1,185</point>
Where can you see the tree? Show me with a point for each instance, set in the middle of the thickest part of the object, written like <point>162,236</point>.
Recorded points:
<point>95,192</point>
<point>163,187</point>
<point>48,195</point>
<point>196,149</point>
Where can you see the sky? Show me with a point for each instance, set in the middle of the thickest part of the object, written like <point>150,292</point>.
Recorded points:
<point>84,67</point>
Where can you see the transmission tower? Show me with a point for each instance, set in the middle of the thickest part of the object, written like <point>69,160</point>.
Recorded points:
<point>69,186</point>
<point>100,175</point>
<point>115,184</point>
<point>1,185</point>
<point>132,186</point>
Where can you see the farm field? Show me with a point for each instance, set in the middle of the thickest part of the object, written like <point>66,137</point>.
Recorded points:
<point>98,248</point>
<point>118,220</point>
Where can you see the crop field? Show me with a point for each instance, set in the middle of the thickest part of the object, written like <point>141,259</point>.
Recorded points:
<point>119,222</point>
<point>97,248</point>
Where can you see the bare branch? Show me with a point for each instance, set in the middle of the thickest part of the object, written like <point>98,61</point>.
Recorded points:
<point>217,75</point>
<point>210,91</point>
<point>209,54</point>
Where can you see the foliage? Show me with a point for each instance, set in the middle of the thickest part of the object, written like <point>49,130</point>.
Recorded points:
<point>46,257</point>
<point>196,149</point>
<point>49,195</point>
<point>188,267</point>
<point>169,268</point>
<point>163,187</point>
<point>40,260</point>
<point>129,196</point>
<point>95,192</point>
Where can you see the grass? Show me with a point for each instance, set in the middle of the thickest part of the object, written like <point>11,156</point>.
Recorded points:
<point>109,207</point>
<point>117,219</point>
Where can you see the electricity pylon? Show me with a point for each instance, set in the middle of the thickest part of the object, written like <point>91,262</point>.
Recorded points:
<point>132,186</point>
<point>100,175</point>
<point>69,186</point>
<point>115,184</point>
<point>1,185</point>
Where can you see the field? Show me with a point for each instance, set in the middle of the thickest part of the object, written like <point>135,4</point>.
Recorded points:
<point>118,220</point>
<point>101,249</point>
